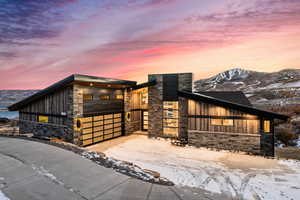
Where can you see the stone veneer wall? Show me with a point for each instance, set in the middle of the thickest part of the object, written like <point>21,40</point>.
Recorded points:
<point>155,106</point>
<point>46,130</point>
<point>227,141</point>
<point>75,111</point>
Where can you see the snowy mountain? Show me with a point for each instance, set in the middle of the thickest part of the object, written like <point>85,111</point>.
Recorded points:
<point>276,88</point>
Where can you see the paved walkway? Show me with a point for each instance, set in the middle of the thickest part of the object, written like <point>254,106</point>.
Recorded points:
<point>32,170</point>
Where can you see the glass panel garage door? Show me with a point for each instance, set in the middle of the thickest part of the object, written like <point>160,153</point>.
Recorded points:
<point>102,127</point>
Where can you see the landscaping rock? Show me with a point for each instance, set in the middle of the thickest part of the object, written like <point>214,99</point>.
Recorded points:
<point>153,173</point>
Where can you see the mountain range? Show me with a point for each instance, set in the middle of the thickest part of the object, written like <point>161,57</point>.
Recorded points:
<point>262,89</point>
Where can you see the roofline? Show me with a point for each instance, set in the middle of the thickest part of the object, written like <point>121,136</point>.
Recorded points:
<point>143,85</point>
<point>60,84</point>
<point>226,93</point>
<point>220,102</point>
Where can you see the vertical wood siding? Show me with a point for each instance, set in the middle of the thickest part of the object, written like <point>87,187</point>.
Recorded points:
<point>242,122</point>
<point>52,105</point>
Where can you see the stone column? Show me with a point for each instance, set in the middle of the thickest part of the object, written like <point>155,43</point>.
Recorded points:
<point>155,106</point>
<point>77,111</point>
<point>127,123</point>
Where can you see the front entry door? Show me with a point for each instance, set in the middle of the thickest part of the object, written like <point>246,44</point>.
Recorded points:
<point>145,120</point>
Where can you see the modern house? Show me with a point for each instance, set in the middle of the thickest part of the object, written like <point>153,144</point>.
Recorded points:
<point>85,110</point>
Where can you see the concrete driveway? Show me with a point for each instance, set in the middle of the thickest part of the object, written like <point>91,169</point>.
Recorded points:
<point>32,170</point>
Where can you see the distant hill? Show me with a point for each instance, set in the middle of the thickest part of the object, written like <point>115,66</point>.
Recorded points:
<point>263,89</point>
<point>8,97</point>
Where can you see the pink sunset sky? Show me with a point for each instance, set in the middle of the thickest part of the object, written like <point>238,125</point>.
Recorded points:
<point>44,41</point>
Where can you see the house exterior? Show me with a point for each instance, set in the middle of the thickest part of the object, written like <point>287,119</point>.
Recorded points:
<point>85,110</point>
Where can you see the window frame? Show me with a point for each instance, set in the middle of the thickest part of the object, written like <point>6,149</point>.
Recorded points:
<point>221,122</point>
<point>166,129</point>
<point>43,119</point>
<point>117,96</point>
<point>267,126</point>
<point>104,97</point>
<point>87,99</point>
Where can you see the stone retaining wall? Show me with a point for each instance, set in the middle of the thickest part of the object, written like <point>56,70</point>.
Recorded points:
<point>227,141</point>
<point>46,130</point>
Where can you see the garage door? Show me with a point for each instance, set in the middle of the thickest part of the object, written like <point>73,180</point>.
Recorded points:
<point>101,127</point>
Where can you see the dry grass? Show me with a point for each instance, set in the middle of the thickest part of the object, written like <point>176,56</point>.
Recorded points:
<point>286,110</point>
<point>288,153</point>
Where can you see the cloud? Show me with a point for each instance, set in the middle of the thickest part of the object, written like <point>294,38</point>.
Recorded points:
<point>241,11</point>
<point>8,55</point>
<point>24,20</point>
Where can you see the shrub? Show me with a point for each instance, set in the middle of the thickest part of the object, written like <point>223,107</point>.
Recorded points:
<point>285,135</point>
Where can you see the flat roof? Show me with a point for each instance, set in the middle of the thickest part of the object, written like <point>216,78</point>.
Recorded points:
<point>70,79</point>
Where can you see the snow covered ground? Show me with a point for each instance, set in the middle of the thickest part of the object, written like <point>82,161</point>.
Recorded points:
<point>239,175</point>
<point>3,197</point>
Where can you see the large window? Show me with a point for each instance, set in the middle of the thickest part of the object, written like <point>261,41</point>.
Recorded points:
<point>119,96</point>
<point>43,119</point>
<point>144,96</point>
<point>87,97</point>
<point>267,126</point>
<point>104,97</point>
<point>222,122</point>
<point>170,121</point>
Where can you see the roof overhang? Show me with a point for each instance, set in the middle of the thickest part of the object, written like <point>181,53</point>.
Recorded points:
<point>73,79</point>
<point>223,103</point>
<point>143,85</point>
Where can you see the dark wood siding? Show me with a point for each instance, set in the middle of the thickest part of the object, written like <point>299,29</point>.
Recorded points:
<point>170,87</point>
<point>201,116</point>
<point>54,105</point>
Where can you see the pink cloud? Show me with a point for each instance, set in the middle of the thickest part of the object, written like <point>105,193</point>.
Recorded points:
<point>122,44</point>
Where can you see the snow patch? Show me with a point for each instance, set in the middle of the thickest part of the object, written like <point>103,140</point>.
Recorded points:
<point>238,175</point>
<point>2,196</point>
<point>293,84</point>
<point>127,168</point>
<point>42,171</point>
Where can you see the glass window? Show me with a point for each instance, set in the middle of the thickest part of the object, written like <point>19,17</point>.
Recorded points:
<point>217,111</point>
<point>267,125</point>
<point>119,96</point>
<point>222,122</point>
<point>87,97</point>
<point>227,122</point>
<point>170,121</point>
<point>216,122</point>
<point>144,96</point>
<point>171,105</point>
<point>43,119</point>
<point>104,97</point>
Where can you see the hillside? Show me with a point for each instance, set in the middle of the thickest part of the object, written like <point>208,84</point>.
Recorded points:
<point>262,89</point>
